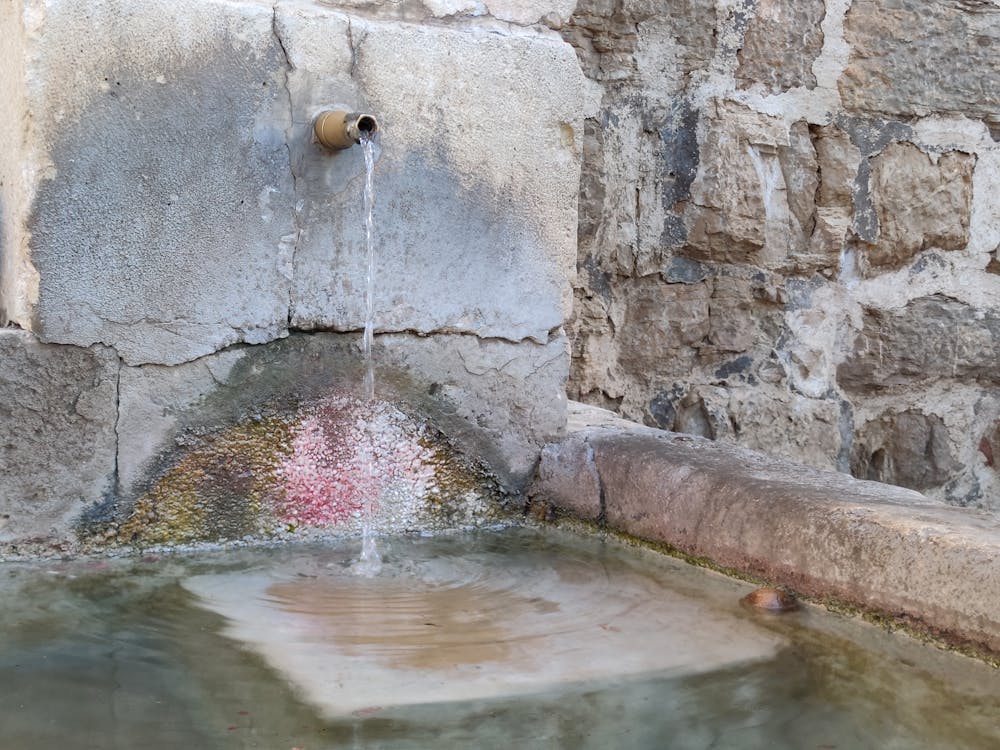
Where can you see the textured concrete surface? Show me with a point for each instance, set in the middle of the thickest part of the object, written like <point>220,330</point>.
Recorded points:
<point>58,407</point>
<point>880,548</point>
<point>498,400</point>
<point>476,198</point>
<point>163,196</point>
<point>173,203</point>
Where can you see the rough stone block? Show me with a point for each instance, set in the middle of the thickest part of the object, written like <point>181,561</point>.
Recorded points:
<point>158,195</point>
<point>730,319</point>
<point>749,202</point>
<point>921,201</point>
<point>931,338</point>
<point>660,319</point>
<point>788,425</point>
<point>911,58</point>
<point>905,448</point>
<point>838,160</point>
<point>782,42</point>
<point>641,149</point>
<point>58,406</point>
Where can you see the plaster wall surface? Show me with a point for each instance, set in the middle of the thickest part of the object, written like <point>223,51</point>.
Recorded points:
<point>18,281</point>
<point>789,231</point>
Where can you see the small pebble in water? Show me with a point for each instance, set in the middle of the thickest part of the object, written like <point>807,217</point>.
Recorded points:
<point>770,600</point>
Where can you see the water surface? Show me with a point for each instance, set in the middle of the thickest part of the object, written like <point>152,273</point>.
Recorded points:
<point>506,639</point>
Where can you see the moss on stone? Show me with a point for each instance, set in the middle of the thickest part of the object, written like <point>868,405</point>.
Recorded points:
<point>457,479</point>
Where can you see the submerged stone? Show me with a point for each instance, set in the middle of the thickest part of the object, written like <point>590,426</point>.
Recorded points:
<point>472,625</point>
<point>770,600</point>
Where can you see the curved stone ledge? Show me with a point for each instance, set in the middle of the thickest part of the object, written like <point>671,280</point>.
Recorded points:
<point>883,549</point>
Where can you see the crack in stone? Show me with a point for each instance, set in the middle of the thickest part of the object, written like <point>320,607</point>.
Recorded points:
<point>533,340</point>
<point>116,476</point>
<point>602,497</point>
<point>289,132</point>
<point>354,45</point>
<point>239,345</point>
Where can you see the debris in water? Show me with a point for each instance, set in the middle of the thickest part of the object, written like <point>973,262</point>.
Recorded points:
<point>770,600</point>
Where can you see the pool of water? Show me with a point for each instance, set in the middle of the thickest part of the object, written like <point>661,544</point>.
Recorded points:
<point>501,639</point>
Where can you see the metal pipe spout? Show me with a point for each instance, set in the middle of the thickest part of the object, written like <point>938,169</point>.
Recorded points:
<point>339,130</point>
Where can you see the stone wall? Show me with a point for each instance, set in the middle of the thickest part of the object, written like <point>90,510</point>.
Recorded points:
<point>173,242</point>
<point>789,230</point>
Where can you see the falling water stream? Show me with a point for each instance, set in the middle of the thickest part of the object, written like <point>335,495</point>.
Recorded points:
<point>370,561</point>
<point>368,144</point>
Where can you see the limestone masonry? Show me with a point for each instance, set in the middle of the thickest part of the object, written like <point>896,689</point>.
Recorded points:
<point>789,230</point>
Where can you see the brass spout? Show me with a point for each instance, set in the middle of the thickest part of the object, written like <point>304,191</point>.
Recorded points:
<point>338,130</point>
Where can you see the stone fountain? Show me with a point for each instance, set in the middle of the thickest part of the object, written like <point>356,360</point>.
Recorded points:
<point>183,264</point>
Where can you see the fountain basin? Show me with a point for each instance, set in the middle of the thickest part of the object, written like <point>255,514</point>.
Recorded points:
<point>121,653</point>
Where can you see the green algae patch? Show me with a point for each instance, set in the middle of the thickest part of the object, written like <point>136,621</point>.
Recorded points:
<point>220,488</point>
<point>462,489</point>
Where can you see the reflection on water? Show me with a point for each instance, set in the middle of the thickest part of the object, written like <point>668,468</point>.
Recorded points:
<point>122,655</point>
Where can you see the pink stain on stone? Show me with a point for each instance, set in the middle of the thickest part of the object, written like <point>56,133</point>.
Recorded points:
<point>344,454</point>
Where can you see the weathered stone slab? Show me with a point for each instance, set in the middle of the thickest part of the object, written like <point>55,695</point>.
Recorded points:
<point>476,196</point>
<point>921,200</point>
<point>257,439</point>
<point>57,435</point>
<point>932,337</point>
<point>162,197</point>
<point>880,548</point>
<point>501,624</point>
<point>781,43</point>
<point>567,471</point>
<point>751,201</point>
<point>915,58</point>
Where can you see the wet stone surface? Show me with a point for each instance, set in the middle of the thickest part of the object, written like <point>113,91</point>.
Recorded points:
<point>328,465</point>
